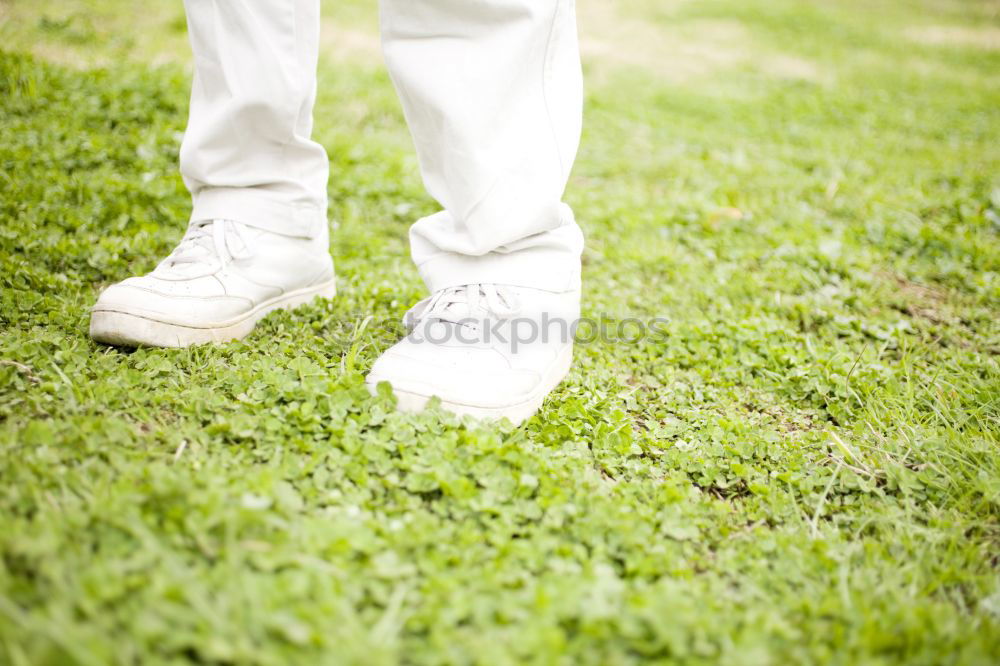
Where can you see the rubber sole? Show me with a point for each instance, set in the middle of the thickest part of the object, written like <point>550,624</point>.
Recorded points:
<point>128,329</point>
<point>516,412</point>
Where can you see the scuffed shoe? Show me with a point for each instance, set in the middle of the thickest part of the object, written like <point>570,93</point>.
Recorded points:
<point>216,285</point>
<point>489,351</point>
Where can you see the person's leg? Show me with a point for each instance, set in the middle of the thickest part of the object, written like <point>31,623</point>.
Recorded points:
<point>258,236</point>
<point>247,153</point>
<point>492,92</point>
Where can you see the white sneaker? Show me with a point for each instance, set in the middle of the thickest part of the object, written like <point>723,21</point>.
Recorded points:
<point>215,286</point>
<point>489,351</point>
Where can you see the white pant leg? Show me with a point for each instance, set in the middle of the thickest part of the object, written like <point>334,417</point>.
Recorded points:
<point>492,92</point>
<point>247,153</point>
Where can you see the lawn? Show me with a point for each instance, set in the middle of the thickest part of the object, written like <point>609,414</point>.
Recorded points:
<point>801,466</point>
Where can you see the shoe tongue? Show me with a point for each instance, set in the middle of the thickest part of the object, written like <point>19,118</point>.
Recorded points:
<point>202,247</point>
<point>195,250</point>
<point>457,310</point>
<point>457,305</point>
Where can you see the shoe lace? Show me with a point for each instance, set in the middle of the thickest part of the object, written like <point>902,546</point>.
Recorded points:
<point>459,304</point>
<point>208,241</point>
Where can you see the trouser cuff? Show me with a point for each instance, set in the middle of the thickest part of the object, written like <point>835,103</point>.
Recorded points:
<point>260,209</point>
<point>549,261</point>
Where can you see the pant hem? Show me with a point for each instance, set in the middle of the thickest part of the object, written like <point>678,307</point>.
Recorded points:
<point>259,209</point>
<point>527,268</point>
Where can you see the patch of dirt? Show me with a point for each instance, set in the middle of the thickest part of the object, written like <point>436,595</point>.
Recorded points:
<point>920,300</point>
<point>986,38</point>
<point>610,38</point>
<point>75,34</point>
<point>791,67</point>
<point>350,44</point>
<point>959,321</point>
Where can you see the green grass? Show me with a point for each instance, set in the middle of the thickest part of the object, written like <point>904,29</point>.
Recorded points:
<point>806,469</point>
